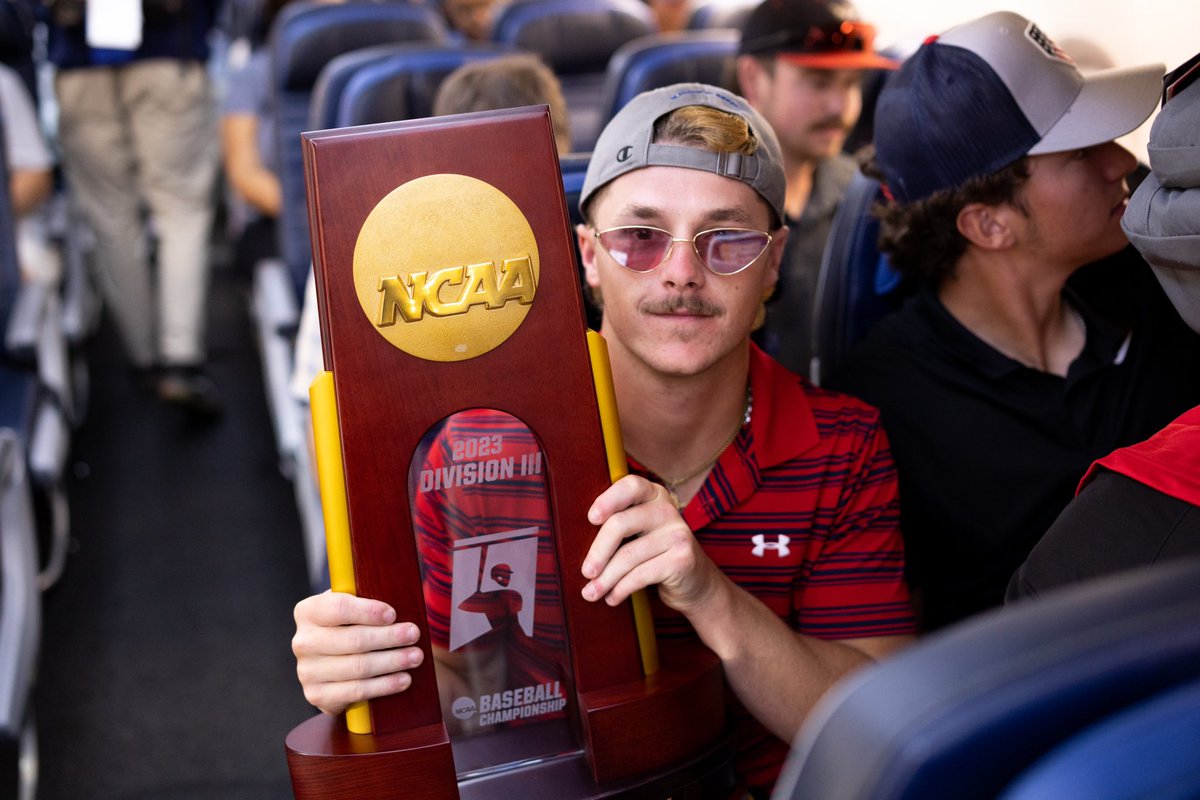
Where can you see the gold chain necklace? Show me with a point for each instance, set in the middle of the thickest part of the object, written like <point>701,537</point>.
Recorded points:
<point>672,484</point>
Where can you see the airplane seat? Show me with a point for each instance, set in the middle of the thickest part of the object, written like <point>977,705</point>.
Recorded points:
<point>1149,750</point>
<point>576,39</point>
<point>965,711</point>
<point>303,39</point>
<point>650,62</point>
<point>721,14</point>
<point>35,385</point>
<point>331,82</point>
<point>20,622</point>
<point>25,338</point>
<point>401,84</point>
<point>72,292</point>
<point>574,169</point>
<point>873,81</point>
<point>856,284</point>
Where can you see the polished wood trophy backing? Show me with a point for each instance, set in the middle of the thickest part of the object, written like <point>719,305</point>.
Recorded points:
<point>456,228</point>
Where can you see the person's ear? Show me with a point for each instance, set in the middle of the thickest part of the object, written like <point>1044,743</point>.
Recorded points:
<point>774,256</point>
<point>587,254</point>
<point>751,79</point>
<point>986,226</point>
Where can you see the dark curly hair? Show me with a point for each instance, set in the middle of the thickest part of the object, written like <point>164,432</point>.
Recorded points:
<point>921,237</point>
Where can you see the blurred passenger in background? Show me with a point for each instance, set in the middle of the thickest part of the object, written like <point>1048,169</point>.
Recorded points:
<point>999,381</point>
<point>30,179</point>
<point>801,65</point>
<point>137,127</point>
<point>506,82</point>
<point>248,151</point>
<point>671,15</point>
<point>472,19</point>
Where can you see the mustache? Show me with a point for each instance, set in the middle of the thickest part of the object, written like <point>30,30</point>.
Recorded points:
<point>830,122</point>
<point>689,303</point>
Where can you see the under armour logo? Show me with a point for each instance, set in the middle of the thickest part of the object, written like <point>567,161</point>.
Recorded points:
<point>761,545</point>
<point>624,153</point>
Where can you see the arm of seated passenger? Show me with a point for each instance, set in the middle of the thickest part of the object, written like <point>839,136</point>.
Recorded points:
<point>29,188</point>
<point>245,170</point>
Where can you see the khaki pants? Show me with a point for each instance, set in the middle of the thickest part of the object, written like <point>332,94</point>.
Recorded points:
<point>145,133</point>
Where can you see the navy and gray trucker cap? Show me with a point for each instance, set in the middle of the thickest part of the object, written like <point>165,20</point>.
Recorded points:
<point>985,93</point>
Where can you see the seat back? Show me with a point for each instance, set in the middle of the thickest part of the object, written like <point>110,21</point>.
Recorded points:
<point>304,38</point>
<point>18,390</point>
<point>392,83</point>
<point>576,39</point>
<point>331,83</point>
<point>650,62</point>
<point>574,170</point>
<point>20,598</point>
<point>721,14</point>
<point>10,267</point>
<point>967,710</point>
<point>1149,750</point>
<point>873,82</point>
<point>856,285</point>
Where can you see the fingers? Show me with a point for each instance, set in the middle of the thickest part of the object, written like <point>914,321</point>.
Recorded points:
<point>350,649</point>
<point>628,491</point>
<point>331,683</point>
<point>336,608</point>
<point>659,558</point>
<point>642,541</point>
<point>630,507</point>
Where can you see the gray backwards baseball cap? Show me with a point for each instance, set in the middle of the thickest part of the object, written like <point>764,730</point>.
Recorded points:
<point>625,143</point>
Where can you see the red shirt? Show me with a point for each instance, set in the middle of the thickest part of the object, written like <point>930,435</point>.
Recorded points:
<point>802,511</point>
<point>1169,461</point>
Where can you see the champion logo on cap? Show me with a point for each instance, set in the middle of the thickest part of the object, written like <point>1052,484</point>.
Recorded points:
<point>1047,45</point>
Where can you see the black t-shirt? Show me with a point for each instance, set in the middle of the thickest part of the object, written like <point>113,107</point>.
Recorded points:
<point>989,451</point>
<point>1116,523</point>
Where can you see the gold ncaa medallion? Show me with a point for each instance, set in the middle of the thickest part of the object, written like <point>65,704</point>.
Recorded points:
<point>446,267</point>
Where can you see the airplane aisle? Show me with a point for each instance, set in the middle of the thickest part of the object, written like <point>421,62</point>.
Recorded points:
<point>166,665</point>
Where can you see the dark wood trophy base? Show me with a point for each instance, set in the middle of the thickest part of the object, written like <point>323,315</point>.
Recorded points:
<point>447,286</point>
<point>656,732</point>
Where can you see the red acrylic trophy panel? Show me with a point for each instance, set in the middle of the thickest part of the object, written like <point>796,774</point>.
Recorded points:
<point>468,442</point>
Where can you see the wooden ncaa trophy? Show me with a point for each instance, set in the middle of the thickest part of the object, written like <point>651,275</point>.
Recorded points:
<point>464,427</point>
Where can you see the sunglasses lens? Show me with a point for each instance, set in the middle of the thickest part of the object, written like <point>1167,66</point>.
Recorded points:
<point>729,250</point>
<point>636,248</point>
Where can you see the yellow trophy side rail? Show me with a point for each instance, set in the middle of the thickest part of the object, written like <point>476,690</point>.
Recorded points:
<point>614,449</point>
<point>327,442</point>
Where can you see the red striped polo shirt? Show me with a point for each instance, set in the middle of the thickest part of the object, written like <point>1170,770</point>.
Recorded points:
<point>802,511</point>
